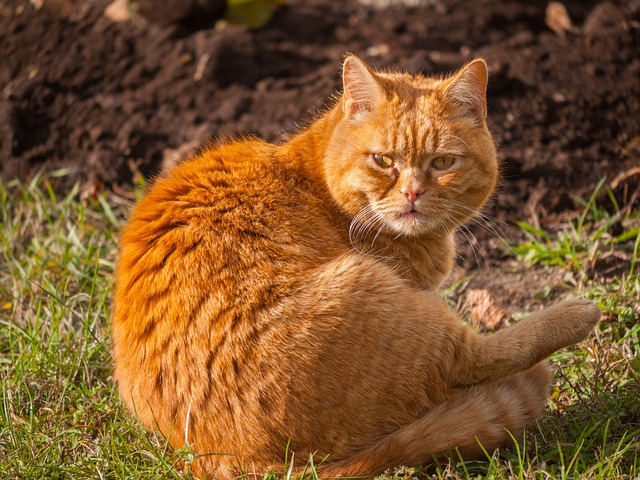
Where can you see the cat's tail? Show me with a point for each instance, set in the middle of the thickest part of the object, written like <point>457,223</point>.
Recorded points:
<point>474,418</point>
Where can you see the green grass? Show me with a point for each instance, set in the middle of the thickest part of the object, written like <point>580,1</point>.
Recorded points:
<point>59,413</point>
<point>60,416</point>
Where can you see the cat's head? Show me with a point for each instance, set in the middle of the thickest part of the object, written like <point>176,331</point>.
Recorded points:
<point>411,154</point>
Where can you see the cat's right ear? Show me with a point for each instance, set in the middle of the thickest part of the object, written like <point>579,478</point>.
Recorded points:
<point>361,90</point>
<point>468,90</point>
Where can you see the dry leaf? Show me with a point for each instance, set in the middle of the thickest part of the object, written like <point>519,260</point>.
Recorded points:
<point>557,19</point>
<point>485,312</point>
<point>118,11</point>
<point>90,190</point>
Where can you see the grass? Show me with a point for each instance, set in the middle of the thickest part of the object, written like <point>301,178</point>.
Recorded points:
<point>60,416</point>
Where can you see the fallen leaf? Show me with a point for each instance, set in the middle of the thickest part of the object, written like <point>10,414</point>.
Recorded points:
<point>485,312</point>
<point>118,11</point>
<point>557,19</point>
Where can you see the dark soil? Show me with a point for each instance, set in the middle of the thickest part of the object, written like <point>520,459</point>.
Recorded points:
<point>106,99</point>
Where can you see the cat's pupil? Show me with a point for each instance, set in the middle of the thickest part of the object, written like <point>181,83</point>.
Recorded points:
<point>442,163</point>
<point>383,160</point>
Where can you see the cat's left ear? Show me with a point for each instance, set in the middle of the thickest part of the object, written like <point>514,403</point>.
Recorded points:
<point>361,90</point>
<point>468,89</point>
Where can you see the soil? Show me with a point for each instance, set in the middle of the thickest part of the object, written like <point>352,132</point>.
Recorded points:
<point>107,99</point>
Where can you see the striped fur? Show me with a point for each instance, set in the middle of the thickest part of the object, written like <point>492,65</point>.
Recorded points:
<point>274,299</point>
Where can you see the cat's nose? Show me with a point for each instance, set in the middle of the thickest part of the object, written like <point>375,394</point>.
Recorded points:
<point>412,193</point>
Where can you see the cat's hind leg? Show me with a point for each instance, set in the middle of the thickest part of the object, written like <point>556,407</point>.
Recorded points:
<point>472,419</point>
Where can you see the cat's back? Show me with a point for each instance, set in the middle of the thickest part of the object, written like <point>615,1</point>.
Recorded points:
<point>241,221</point>
<point>215,243</point>
<point>237,187</point>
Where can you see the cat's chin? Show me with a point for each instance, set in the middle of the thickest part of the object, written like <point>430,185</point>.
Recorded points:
<point>410,224</point>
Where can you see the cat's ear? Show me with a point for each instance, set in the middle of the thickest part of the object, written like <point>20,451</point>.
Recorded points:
<point>467,89</point>
<point>361,89</point>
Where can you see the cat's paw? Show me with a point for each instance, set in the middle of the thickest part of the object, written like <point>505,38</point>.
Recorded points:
<point>576,318</point>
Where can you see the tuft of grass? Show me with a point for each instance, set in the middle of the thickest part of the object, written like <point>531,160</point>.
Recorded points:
<point>59,412</point>
<point>594,427</point>
<point>598,251</point>
<point>580,241</point>
<point>60,416</point>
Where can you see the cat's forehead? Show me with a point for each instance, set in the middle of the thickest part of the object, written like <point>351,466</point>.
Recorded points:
<point>418,132</point>
<point>411,87</point>
<point>413,120</point>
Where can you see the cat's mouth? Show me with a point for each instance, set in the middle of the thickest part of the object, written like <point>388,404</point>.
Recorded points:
<point>411,214</point>
<point>412,222</point>
<point>408,222</point>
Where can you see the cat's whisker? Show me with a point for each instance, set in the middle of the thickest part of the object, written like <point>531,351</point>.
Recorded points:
<point>475,215</point>
<point>380,221</point>
<point>447,219</point>
<point>358,223</point>
<point>375,237</point>
<point>482,220</point>
<point>473,243</point>
<point>459,139</point>
<point>362,225</point>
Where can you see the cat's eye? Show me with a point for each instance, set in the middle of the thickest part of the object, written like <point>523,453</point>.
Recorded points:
<point>383,160</point>
<point>443,163</point>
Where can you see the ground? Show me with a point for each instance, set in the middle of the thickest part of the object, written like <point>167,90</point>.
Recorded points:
<point>107,100</point>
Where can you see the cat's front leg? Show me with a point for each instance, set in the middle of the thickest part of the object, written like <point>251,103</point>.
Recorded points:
<point>529,341</point>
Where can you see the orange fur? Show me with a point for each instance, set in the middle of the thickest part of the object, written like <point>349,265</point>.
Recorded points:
<point>272,296</point>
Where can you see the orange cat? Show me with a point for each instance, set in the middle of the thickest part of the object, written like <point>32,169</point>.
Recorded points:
<point>273,299</point>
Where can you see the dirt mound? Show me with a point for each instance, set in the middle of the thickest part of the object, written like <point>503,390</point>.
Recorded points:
<point>105,99</point>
